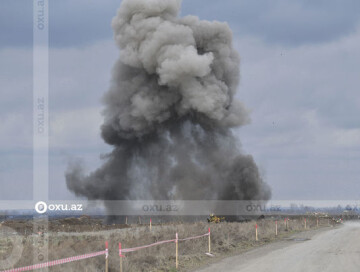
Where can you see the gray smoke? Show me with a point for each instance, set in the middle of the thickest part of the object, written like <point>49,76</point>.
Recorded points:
<point>170,111</point>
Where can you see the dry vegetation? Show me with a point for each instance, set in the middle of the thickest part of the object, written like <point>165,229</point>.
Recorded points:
<point>226,238</point>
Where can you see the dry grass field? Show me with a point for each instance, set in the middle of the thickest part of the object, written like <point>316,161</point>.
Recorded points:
<point>226,239</point>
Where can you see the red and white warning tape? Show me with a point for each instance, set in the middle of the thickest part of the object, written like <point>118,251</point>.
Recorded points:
<point>104,252</point>
<point>57,262</point>
<point>142,247</point>
<point>195,237</point>
<point>124,250</point>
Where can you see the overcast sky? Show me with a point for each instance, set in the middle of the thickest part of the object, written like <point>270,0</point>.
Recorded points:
<point>300,76</point>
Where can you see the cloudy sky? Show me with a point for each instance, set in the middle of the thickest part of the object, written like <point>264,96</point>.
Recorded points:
<point>300,76</point>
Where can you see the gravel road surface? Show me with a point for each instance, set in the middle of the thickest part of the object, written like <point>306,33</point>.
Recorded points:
<point>335,249</point>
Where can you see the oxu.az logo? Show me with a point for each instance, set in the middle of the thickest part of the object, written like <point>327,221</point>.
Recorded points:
<point>41,207</point>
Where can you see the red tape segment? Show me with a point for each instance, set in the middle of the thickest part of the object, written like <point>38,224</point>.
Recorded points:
<point>57,262</point>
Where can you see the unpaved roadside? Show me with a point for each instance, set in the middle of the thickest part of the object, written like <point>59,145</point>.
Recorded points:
<point>329,249</point>
<point>227,239</point>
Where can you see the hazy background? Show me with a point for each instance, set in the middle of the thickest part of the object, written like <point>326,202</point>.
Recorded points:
<point>300,76</point>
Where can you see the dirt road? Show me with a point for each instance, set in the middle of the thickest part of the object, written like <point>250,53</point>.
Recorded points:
<point>336,249</point>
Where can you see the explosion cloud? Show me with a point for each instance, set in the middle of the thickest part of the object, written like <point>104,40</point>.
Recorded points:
<point>170,111</point>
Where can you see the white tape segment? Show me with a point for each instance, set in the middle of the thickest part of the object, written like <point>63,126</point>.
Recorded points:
<point>56,262</point>
<point>124,250</point>
<point>195,237</point>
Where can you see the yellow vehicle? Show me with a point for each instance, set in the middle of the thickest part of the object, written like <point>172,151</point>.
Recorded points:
<point>215,219</point>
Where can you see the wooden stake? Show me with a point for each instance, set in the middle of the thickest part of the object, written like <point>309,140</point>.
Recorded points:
<point>126,220</point>
<point>256,232</point>
<point>139,220</point>
<point>317,222</point>
<point>276,228</point>
<point>305,223</point>
<point>150,224</point>
<point>107,257</point>
<point>177,251</point>
<point>209,241</point>
<point>121,256</point>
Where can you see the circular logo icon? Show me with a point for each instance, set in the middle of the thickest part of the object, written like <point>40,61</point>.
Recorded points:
<point>41,207</point>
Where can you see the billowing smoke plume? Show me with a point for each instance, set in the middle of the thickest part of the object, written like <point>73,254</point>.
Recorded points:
<point>169,112</point>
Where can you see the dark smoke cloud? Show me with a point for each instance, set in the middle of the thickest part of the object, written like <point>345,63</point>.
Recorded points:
<point>169,112</point>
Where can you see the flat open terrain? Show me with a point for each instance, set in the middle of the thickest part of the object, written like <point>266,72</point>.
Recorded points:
<point>76,236</point>
<point>337,249</point>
